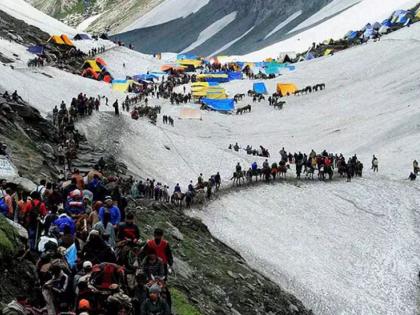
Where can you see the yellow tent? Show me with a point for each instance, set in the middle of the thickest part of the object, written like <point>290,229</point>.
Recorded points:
<point>56,40</point>
<point>286,88</point>
<point>120,85</point>
<point>92,64</point>
<point>328,52</point>
<point>66,40</point>
<point>418,13</point>
<point>190,62</point>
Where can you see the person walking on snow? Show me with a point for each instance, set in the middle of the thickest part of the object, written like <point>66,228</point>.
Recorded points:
<point>375,163</point>
<point>116,108</point>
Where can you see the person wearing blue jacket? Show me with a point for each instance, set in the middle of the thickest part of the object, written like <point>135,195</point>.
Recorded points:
<point>64,220</point>
<point>112,209</point>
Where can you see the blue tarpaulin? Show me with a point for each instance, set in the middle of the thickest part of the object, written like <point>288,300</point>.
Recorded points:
<point>387,22</point>
<point>213,83</point>
<point>71,255</point>
<point>37,50</point>
<point>352,35</point>
<point>309,56</point>
<point>217,80</point>
<point>145,77</point>
<point>234,75</point>
<point>219,105</point>
<point>260,88</point>
<point>186,56</point>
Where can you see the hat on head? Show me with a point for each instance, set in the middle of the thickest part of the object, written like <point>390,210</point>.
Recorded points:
<point>87,264</point>
<point>84,304</point>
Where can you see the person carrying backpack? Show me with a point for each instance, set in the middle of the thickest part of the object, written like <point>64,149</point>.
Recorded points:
<point>35,210</point>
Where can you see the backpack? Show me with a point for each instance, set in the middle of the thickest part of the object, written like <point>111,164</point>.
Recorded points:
<point>4,208</point>
<point>33,215</point>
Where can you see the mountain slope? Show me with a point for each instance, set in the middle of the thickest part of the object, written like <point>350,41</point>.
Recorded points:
<point>95,15</point>
<point>289,25</point>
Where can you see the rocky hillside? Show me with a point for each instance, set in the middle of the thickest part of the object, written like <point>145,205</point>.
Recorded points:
<point>114,14</point>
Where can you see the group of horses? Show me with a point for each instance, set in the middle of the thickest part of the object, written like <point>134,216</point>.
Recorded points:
<point>266,173</point>
<point>309,89</point>
<point>244,109</point>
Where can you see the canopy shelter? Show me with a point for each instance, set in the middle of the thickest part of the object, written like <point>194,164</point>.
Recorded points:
<point>56,39</point>
<point>286,89</point>
<point>145,77</point>
<point>92,64</point>
<point>81,36</point>
<point>225,105</point>
<point>120,85</point>
<point>260,88</point>
<point>190,63</point>
<point>66,40</point>
<point>36,49</point>
<point>213,77</point>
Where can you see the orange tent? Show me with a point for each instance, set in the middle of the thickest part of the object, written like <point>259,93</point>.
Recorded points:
<point>67,40</point>
<point>100,61</point>
<point>56,40</point>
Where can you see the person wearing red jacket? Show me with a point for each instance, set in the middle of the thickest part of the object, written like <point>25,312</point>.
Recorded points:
<point>162,249</point>
<point>35,210</point>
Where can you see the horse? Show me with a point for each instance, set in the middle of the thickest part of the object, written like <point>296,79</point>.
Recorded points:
<point>251,93</point>
<point>238,177</point>
<point>308,89</point>
<point>282,170</point>
<point>279,105</point>
<point>359,169</point>
<point>309,173</point>
<point>177,198</point>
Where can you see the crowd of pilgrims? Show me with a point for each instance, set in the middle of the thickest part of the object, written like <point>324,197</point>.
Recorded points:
<point>90,258</point>
<point>64,120</point>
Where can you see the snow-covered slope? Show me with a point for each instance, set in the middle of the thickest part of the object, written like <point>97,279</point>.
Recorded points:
<point>315,29</point>
<point>167,11</point>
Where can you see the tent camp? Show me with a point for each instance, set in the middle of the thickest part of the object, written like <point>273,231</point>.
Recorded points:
<point>36,49</point>
<point>328,52</point>
<point>286,89</point>
<point>145,77</point>
<point>81,37</point>
<point>120,85</point>
<point>384,29</point>
<point>234,75</point>
<point>67,40</point>
<point>225,105</point>
<point>190,113</point>
<point>92,64</point>
<point>376,26</point>
<point>260,88</point>
<point>190,63</point>
<point>61,40</point>
<point>309,56</point>
<point>213,77</point>
<point>56,40</point>
<point>351,36</point>
<point>186,56</point>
